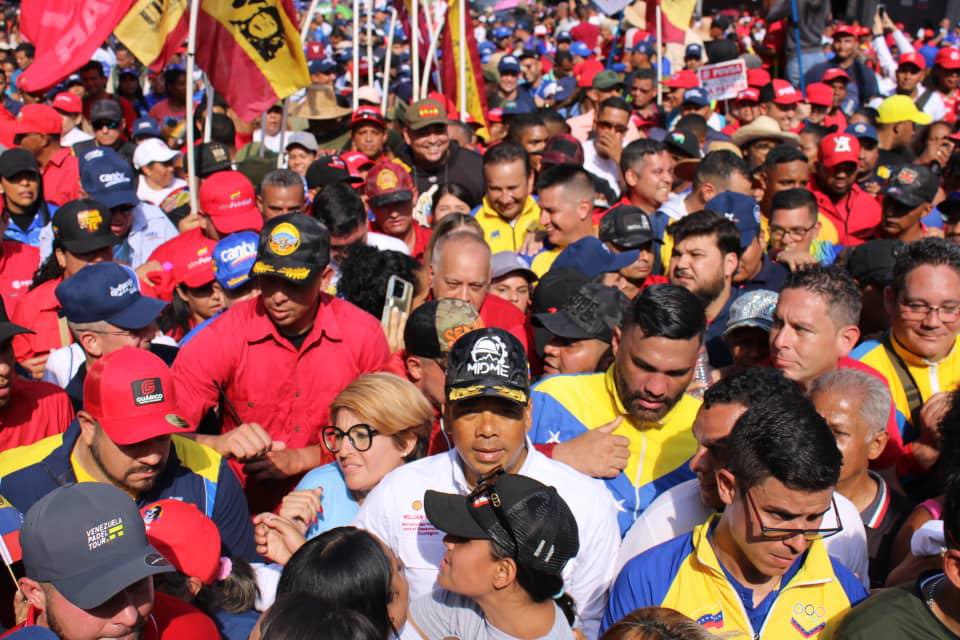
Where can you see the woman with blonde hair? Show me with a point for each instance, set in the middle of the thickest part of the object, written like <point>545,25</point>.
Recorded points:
<point>656,623</point>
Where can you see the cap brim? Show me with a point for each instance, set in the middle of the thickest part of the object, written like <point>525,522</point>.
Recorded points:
<point>561,325</point>
<point>756,323</point>
<point>86,245</point>
<point>391,198</point>
<point>422,125</point>
<point>139,314</point>
<point>448,513</point>
<point>620,260</point>
<point>292,270</point>
<point>248,219</point>
<point>91,589</point>
<point>125,430</point>
<point>111,199</point>
<point>468,389</point>
<point>8,330</point>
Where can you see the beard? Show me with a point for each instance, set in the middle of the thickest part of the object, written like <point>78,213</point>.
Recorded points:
<point>57,628</point>
<point>122,483</point>
<point>629,398</point>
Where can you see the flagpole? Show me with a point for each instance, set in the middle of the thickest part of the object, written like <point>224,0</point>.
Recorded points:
<point>389,60</point>
<point>462,86</point>
<point>431,56</point>
<point>415,42</point>
<point>191,155</point>
<point>370,69</point>
<point>304,27</point>
<point>659,55</point>
<point>355,74</point>
<point>208,111</point>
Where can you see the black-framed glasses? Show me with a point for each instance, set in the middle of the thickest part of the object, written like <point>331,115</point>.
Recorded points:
<point>796,233</point>
<point>919,310</point>
<point>360,435</point>
<point>106,124</point>
<point>780,533</point>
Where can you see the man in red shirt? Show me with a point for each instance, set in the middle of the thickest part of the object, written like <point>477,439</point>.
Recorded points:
<point>585,32</point>
<point>275,363</point>
<point>37,130</point>
<point>854,212</point>
<point>95,88</point>
<point>390,193</point>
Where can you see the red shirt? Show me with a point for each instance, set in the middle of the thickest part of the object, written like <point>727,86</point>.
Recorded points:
<point>855,215</point>
<point>18,262</point>
<point>61,177</point>
<point>587,33</point>
<point>497,312</point>
<point>421,241</point>
<point>35,410</point>
<point>37,311</point>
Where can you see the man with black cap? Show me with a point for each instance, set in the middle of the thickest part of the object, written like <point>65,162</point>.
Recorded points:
<point>89,571</point>
<point>109,130</point>
<point>582,329</point>
<point>28,213</point>
<point>871,265</point>
<point>487,413</point>
<point>627,228</point>
<point>909,195</point>
<point>261,363</point>
<point>130,434</point>
<point>327,170</point>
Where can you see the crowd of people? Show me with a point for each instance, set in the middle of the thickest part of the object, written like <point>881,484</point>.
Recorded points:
<point>647,365</point>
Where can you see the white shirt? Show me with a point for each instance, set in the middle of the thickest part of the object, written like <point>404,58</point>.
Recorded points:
<point>156,196</point>
<point>678,510</point>
<point>394,512</point>
<point>387,243</point>
<point>64,362</point>
<point>675,207</point>
<point>271,142</point>
<point>74,136</point>
<point>605,168</point>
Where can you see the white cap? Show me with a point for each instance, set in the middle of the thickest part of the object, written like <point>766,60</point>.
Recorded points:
<point>369,94</point>
<point>540,30</point>
<point>303,138</point>
<point>152,150</point>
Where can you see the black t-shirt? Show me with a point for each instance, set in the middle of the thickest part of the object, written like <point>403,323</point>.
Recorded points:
<point>882,520</point>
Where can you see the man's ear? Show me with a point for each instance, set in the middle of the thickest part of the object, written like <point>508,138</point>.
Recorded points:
<point>726,486</point>
<point>414,368</point>
<point>951,567</point>
<point>615,338</point>
<point>88,427</point>
<point>877,444</point>
<point>326,276</point>
<point>848,338</point>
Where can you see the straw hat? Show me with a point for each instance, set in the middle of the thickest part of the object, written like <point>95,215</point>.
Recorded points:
<point>320,104</point>
<point>763,128</point>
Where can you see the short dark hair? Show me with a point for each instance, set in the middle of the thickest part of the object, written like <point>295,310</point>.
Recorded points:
<point>707,223</point>
<point>795,199</point>
<point>566,175</point>
<point>339,208</point>
<point>644,73</point>
<point>223,130</point>
<point>719,166</point>
<point>27,49</point>
<point>636,150</point>
<point>507,151</point>
<point>928,251</point>
<point>784,438</point>
<point>562,56</point>
<point>170,75</point>
<point>305,615</point>
<point>552,116</point>
<point>783,154</point>
<point>951,511</point>
<point>93,65</point>
<point>615,102</point>
<point>667,311</point>
<point>521,122</point>
<point>456,190</point>
<point>364,274</point>
<point>832,283</point>
<point>694,123</point>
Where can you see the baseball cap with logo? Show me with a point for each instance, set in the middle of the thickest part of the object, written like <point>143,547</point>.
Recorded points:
<point>185,537</point>
<point>368,115</point>
<point>152,150</point>
<point>740,209</point>
<point>488,362</point>
<point>752,309</point>
<point>233,259</point>
<point>508,64</point>
<point>227,197</point>
<point>88,540</point>
<point>145,127</point>
<point>900,108</point>
<point>130,393</point>
<point>424,113</point>
<point>693,51</point>
<point>749,95</point>
<point>785,93</point>
<point>107,177</point>
<point>68,102</point>
<point>626,227</point>
<point>212,157</point>
<point>819,94</point>
<point>912,58</point>
<point>696,96</point>
<point>388,183</point>
<point>912,185</point>
<point>292,246</point>
<point>434,326</point>
<point>838,148</point>
<point>193,261</point>
<point>38,118</point>
<point>16,160</point>
<point>580,49</point>
<point>329,169</point>
<point>590,257</point>
<point>562,148</point>
<point>83,226</point>
<point>846,30</point>
<point>683,142</point>
<point>863,131</point>
<point>948,58</point>
<point>107,292</point>
<point>591,313</point>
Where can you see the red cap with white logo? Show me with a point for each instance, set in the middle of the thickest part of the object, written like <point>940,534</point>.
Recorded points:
<point>913,58</point>
<point>838,148</point>
<point>785,93</point>
<point>228,198</point>
<point>68,102</point>
<point>948,58</point>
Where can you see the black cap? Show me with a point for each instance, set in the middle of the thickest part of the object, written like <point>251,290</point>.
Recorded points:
<point>912,185</point>
<point>434,326</point>
<point>212,157</point>
<point>106,109</point>
<point>83,226</point>
<point>293,246</point>
<point>488,362</point>
<point>872,262</point>
<point>626,227</point>
<point>552,292</point>
<point>7,328</point>
<point>328,170</point>
<point>16,161</point>
<point>950,208</point>
<point>683,142</point>
<point>526,518</point>
<point>592,312</point>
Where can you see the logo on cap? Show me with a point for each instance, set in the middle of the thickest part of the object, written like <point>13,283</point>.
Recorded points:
<point>104,533</point>
<point>841,144</point>
<point>678,137</point>
<point>147,391</point>
<point>89,220</point>
<point>284,239</point>
<point>489,356</point>
<point>387,180</point>
<point>125,288</point>
<point>113,179</point>
<point>151,514</point>
<point>428,111</point>
<point>906,176</point>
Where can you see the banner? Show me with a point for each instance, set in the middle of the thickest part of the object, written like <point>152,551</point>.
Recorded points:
<point>676,18</point>
<point>66,33</point>
<point>724,80</point>
<point>450,64</point>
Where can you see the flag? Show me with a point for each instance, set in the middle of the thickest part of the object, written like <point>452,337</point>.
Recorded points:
<point>453,42</point>
<point>66,33</point>
<point>676,18</point>
<point>249,49</point>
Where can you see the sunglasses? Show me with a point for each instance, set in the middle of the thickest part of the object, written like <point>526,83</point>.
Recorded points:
<point>106,124</point>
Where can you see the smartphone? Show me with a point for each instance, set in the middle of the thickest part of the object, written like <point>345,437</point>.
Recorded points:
<point>399,295</point>
<point>882,10</point>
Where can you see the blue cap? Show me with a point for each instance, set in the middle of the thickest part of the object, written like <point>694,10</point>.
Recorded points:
<point>233,258</point>
<point>696,96</point>
<point>693,51</point>
<point>580,49</point>
<point>108,178</point>
<point>108,292</point>
<point>501,32</point>
<point>323,66</point>
<point>862,131</point>
<point>740,209</point>
<point>644,47</point>
<point>486,47</point>
<point>508,64</point>
<point>564,36</point>
<point>146,126</point>
<point>591,257</point>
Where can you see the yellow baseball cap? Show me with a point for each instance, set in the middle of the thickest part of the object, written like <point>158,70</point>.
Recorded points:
<point>901,108</point>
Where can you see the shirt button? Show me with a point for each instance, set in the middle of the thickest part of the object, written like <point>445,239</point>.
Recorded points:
<point>296,394</point>
<point>250,404</point>
<point>296,429</point>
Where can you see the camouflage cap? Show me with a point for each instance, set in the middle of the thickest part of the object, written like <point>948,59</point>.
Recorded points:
<point>434,326</point>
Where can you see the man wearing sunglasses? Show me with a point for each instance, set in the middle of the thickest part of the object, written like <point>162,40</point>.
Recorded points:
<point>487,413</point>
<point>760,568</point>
<point>109,130</point>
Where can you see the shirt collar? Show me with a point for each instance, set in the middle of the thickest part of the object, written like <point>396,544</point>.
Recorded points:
<point>460,481</point>
<point>325,324</point>
<point>914,360</point>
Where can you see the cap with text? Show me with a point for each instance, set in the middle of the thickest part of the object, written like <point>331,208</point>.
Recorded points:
<point>228,198</point>
<point>107,292</point>
<point>488,362</point>
<point>838,148</point>
<point>233,259</point>
<point>388,183</point>
<point>108,178</point>
<point>83,226</point>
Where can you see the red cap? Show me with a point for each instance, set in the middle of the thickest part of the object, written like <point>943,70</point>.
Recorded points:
<point>185,537</point>
<point>450,105</point>
<point>948,58</point>
<point>229,199</point>
<point>757,78</point>
<point>683,79</point>
<point>833,73</point>
<point>68,102</point>
<point>193,261</point>
<point>356,162</point>
<point>586,71</point>
<point>749,95</point>
<point>838,148</point>
<point>785,93</point>
<point>913,58</point>
<point>819,94</point>
<point>39,118</point>
<point>368,115</point>
<point>388,182</point>
<point>845,30</point>
<point>130,393</point>
<point>495,115</point>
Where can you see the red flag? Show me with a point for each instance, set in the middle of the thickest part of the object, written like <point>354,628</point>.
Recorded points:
<point>66,34</point>
<point>450,64</point>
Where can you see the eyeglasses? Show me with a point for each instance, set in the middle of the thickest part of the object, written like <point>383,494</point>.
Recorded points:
<point>795,233</point>
<point>781,533</point>
<point>918,310</point>
<point>106,124</point>
<point>360,435</point>
<point>611,126</point>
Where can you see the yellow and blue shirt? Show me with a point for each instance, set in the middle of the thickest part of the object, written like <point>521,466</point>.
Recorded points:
<point>194,473</point>
<point>507,235</point>
<point>566,406</point>
<point>685,574</point>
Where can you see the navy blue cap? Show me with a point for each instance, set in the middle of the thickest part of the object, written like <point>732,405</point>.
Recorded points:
<point>233,258</point>
<point>486,47</point>
<point>323,66</point>
<point>108,178</point>
<point>564,36</point>
<point>863,131</point>
<point>501,32</point>
<point>693,51</point>
<point>591,257</point>
<point>146,126</point>
<point>643,47</point>
<point>696,96</point>
<point>508,64</point>
<point>740,209</point>
<point>107,292</point>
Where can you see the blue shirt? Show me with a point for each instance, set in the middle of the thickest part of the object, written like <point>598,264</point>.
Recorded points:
<point>339,506</point>
<point>31,235</point>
